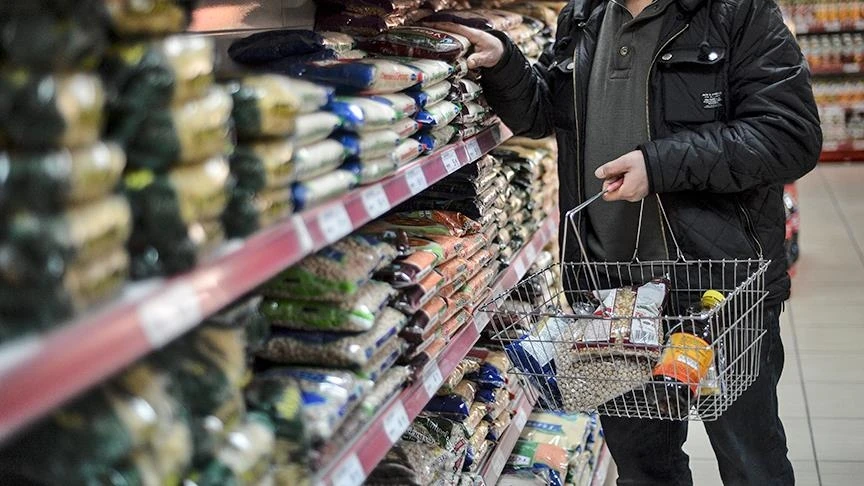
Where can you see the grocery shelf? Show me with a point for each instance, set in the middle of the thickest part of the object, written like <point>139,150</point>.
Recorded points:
<point>838,70</point>
<point>39,373</point>
<point>852,150</point>
<point>493,468</point>
<point>601,468</point>
<point>360,456</point>
<point>829,28</point>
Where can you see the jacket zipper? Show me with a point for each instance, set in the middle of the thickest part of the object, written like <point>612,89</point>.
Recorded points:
<point>648,124</point>
<point>751,230</point>
<point>579,168</point>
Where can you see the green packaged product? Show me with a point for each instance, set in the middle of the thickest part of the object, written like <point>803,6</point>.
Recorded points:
<point>249,211</point>
<point>50,36</point>
<point>357,312</point>
<point>266,105</point>
<point>245,457</point>
<point>51,181</point>
<point>245,315</point>
<point>182,134</point>
<point>62,110</point>
<point>280,399</point>
<point>333,274</point>
<point>131,18</point>
<point>261,165</point>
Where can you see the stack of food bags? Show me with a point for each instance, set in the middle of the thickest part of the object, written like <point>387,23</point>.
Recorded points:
<point>333,331</point>
<point>458,429</point>
<point>63,228</point>
<point>177,414</point>
<point>444,278</point>
<point>523,211</point>
<point>364,17</point>
<point>174,123</point>
<point>283,141</point>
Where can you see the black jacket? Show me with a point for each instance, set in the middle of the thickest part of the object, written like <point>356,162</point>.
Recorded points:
<point>730,110</point>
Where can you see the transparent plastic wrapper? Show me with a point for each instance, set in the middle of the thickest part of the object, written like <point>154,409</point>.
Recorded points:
<point>246,455</point>
<point>452,246</point>
<point>405,127</point>
<point>475,416</point>
<point>467,365</point>
<point>369,171</point>
<point>404,105</point>
<point>314,127</point>
<point>430,94</point>
<point>333,349</point>
<point>409,270</point>
<point>263,165</point>
<point>367,76</point>
<point>129,18</point>
<point>333,274</point>
<point>432,72</point>
<point>433,140</point>
<point>318,159</point>
<point>360,114</point>
<point>533,457</point>
<point>383,360</point>
<point>497,401</point>
<point>465,90</point>
<point>418,42</point>
<point>280,398</point>
<point>488,376</point>
<point>370,145</point>
<point>326,396</point>
<point>357,24</point>
<point>426,223</point>
<point>438,115</point>
<point>357,312</point>
<point>50,181</point>
<point>408,151</point>
<point>54,38</point>
<point>477,446</point>
<point>275,45</point>
<point>413,298</point>
<point>472,113</point>
<point>54,110</point>
<point>268,104</point>
<point>143,75</point>
<point>498,427</point>
<point>423,323</point>
<point>323,188</point>
<point>249,211</point>
<point>244,314</point>
<point>183,134</point>
<point>411,464</point>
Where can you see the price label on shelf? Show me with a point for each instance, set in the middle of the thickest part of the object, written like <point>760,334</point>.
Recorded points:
<point>451,161</point>
<point>480,321</point>
<point>432,379</point>
<point>375,201</point>
<point>519,268</point>
<point>530,253</point>
<point>473,148</point>
<point>349,473</point>
<point>499,461</point>
<point>520,419</point>
<point>416,180</point>
<point>334,222</point>
<point>302,231</point>
<point>396,422</point>
<point>170,314</point>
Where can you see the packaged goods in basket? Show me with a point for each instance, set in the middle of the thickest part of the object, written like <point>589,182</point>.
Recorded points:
<point>54,110</point>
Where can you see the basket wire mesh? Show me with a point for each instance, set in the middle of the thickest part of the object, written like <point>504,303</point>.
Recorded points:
<point>580,355</point>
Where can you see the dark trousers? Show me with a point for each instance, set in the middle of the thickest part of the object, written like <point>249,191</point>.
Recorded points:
<point>748,439</point>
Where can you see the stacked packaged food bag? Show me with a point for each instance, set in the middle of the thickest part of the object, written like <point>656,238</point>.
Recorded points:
<point>177,414</point>
<point>449,441</point>
<point>283,157</point>
<point>174,123</point>
<point>63,228</point>
<point>555,449</point>
<point>444,278</point>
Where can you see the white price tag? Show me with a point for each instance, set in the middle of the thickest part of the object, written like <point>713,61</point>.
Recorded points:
<point>530,253</point>
<point>473,148</point>
<point>432,379</point>
<point>416,180</point>
<point>520,419</point>
<point>335,223</point>
<point>396,422</point>
<point>306,243</point>
<point>170,314</point>
<point>499,461</point>
<point>349,473</point>
<point>519,268</point>
<point>375,201</point>
<point>451,161</point>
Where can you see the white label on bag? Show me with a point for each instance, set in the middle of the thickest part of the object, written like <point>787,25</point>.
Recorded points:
<point>432,379</point>
<point>170,314</point>
<point>349,473</point>
<point>416,180</point>
<point>451,161</point>
<point>473,148</point>
<point>303,236</point>
<point>335,223</point>
<point>396,422</point>
<point>375,201</point>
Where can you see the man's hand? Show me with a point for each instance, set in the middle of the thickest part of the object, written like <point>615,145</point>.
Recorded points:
<point>488,49</point>
<point>625,177</point>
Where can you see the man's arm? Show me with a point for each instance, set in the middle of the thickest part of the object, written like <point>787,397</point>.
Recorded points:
<point>774,136</point>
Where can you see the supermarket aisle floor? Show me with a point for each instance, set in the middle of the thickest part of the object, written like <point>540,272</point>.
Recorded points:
<point>822,389</point>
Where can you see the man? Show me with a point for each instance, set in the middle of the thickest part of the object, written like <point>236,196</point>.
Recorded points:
<point>706,107</point>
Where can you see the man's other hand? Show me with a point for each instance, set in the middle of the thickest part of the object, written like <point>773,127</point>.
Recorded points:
<point>625,177</point>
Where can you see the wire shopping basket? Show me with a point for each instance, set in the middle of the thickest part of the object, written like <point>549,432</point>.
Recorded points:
<point>633,339</point>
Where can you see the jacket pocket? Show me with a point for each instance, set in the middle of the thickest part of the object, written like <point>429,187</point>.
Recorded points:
<point>693,82</point>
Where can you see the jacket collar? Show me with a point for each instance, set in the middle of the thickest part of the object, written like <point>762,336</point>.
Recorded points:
<point>582,8</point>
